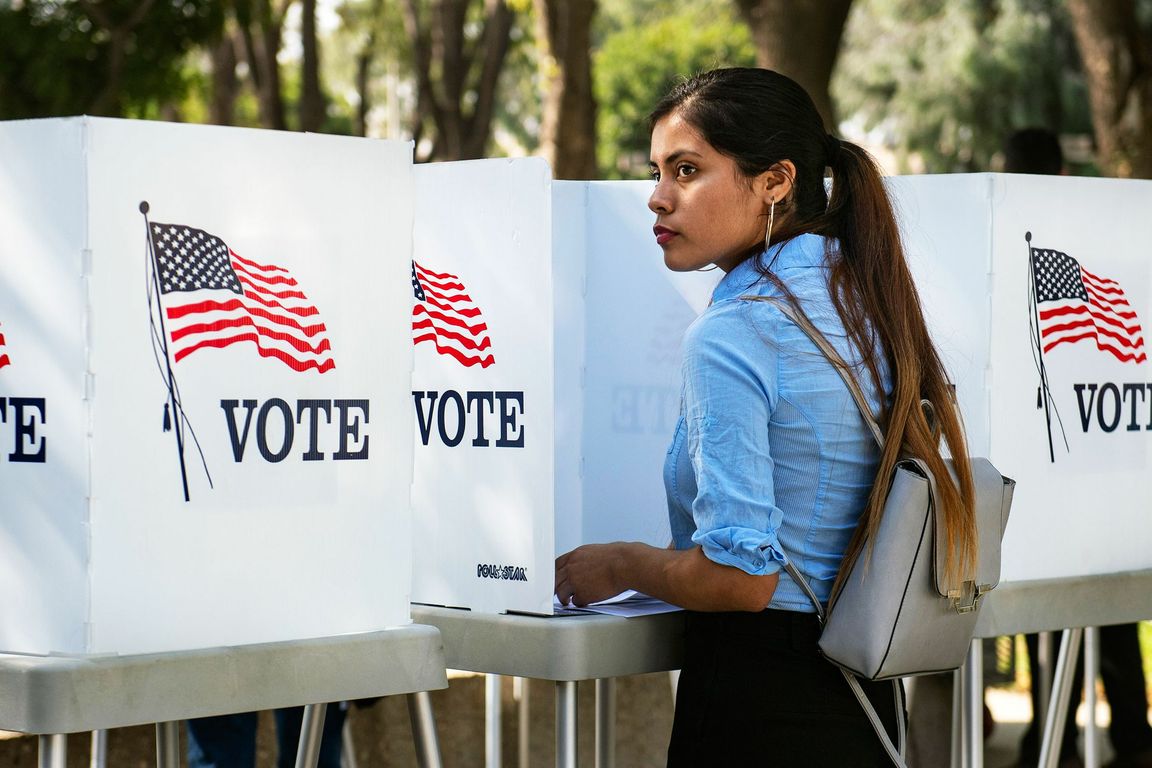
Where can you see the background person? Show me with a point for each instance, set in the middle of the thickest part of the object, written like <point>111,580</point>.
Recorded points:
<point>771,458</point>
<point>229,741</point>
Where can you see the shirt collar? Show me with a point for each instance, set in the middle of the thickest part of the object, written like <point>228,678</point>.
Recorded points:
<point>802,251</point>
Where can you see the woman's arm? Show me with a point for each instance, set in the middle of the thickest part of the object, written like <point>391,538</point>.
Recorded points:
<point>681,577</point>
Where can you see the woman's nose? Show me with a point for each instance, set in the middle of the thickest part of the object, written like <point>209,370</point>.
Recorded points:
<point>659,201</point>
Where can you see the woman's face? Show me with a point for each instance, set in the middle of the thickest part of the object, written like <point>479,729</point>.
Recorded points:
<point>707,212</point>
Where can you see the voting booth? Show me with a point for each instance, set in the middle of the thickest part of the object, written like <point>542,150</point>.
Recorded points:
<point>546,380</point>
<point>1037,290</point>
<point>205,421</point>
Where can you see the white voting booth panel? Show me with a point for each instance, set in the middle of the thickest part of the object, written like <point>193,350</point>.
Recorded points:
<point>204,411</point>
<point>1080,384</point>
<point>482,385</point>
<point>547,427</point>
<point>621,345</point>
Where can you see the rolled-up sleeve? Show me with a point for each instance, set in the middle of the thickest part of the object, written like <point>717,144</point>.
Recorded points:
<point>730,392</point>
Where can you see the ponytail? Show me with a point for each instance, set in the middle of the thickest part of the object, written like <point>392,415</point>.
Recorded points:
<point>875,296</point>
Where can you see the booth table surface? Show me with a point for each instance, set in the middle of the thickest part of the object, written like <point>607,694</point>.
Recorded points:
<point>587,647</point>
<point>559,648</point>
<point>68,694</point>
<point>1051,604</point>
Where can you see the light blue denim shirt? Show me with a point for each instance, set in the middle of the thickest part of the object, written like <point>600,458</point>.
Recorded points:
<point>771,460</point>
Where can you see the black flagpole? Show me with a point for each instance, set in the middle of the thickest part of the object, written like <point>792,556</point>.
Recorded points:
<point>173,405</point>
<point>1040,348</point>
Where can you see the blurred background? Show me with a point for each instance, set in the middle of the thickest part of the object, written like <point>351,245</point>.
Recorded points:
<point>928,85</point>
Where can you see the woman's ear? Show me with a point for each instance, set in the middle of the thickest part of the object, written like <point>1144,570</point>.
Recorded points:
<point>775,184</point>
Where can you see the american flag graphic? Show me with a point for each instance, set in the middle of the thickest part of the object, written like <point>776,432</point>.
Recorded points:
<point>215,299</point>
<point>445,315</point>
<point>1073,305</point>
<point>4,361</point>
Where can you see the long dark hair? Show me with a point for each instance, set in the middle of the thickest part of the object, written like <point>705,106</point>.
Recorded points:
<point>760,118</point>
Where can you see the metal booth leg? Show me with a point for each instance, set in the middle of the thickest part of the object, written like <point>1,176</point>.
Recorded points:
<point>1061,691</point>
<point>520,687</point>
<point>311,732</point>
<point>1091,672</point>
<point>957,729</point>
<point>423,721</point>
<point>168,744</point>
<point>492,718</point>
<point>566,744</point>
<point>347,746</point>
<point>54,751</point>
<point>972,706</point>
<point>99,757</point>
<point>605,722</point>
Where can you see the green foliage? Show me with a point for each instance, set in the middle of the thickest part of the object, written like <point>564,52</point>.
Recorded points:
<point>946,82</point>
<point>645,49</point>
<point>56,55</point>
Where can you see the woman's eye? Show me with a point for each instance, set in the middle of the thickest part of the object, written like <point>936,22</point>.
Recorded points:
<point>654,174</point>
<point>685,170</point>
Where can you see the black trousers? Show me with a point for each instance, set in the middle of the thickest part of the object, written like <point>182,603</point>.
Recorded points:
<point>755,691</point>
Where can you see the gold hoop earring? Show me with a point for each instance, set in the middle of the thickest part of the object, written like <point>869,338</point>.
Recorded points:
<point>707,269</point>
<point>771,221</point>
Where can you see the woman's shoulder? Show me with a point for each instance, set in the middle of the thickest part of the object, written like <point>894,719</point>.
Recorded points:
<point>742,327</point>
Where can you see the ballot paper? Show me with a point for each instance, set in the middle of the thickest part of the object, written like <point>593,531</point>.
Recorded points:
<point>628,604</point>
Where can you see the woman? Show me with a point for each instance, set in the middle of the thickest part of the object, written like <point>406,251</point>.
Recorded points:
<point>771,459</point>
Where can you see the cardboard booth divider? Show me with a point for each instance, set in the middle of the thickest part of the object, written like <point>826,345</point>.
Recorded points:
<point>577,360</point>
<point>1040,311</point>
<point>205,358</point>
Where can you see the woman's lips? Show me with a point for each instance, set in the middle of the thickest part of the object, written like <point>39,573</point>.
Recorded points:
<point>663,234</point>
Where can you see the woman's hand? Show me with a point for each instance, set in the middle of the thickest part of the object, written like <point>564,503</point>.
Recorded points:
<point>590,573</point>
<point>683,577</point>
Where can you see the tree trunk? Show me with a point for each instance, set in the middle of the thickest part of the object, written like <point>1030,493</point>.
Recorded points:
<point>312,103</point>
<point>568,133</point>
<point>1117,57</point>
<point>108,102</point>
<point>467,73</point>
<point>364,60</point>
<point>222,108</point>
<point>800,39</point>
<point>261,28</point>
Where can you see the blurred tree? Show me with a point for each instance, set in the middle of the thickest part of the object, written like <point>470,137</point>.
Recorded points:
<point>1116,50</point>
<point>261,32</point>
<point>101,57</point>
<point>645,49</point>
<point>568,133</point>
<point>312,107</point>
<point>800,39</point>
<point>459,48</point>
<point>225,84</point>
<point>365,56</point>
<point>944,81</point>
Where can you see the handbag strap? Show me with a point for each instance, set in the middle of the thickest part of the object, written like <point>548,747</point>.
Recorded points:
<point>896,753</point>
